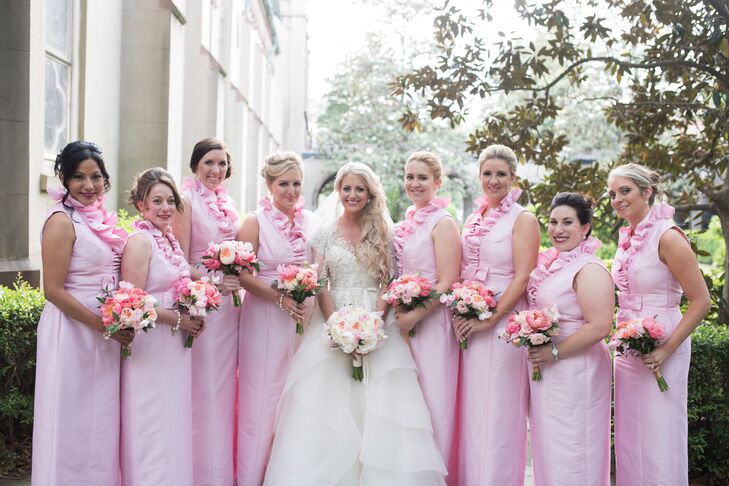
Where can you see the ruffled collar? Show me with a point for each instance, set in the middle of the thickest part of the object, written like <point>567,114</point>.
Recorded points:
<point>101,223</point>
<point>167,244</point>
<point>219,205</point>
<point>292,231</point>
<point>413,219</point>
<point>631,240</point>
<point>552,261</point>
<point>477,226</point>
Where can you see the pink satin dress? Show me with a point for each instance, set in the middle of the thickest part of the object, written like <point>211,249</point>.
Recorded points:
<point>569,409</point>
<point>493,388</point>
<point>268,342</point>
<point>214,356</point>
<point>76,414</point>
<point>651,428</point>
<point>434,346</point>
<point>156,403</point>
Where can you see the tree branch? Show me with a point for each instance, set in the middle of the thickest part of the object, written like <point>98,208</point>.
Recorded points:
<point>626,64</point>
<point>721,8</point>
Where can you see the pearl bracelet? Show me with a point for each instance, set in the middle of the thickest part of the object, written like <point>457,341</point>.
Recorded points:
<point>280,300</point>
<point>176,327</point>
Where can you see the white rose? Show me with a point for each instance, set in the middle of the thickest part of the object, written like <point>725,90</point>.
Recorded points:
<point>537,339</point>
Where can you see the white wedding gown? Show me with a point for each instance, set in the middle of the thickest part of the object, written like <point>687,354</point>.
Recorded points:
<point>331,430</point>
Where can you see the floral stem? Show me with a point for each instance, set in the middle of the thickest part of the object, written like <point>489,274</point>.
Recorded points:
<point>536,373</point>
<point>126,351</point>
<point>411,332</point>
<point>662,385</point>
<point>299,327</point>
<point>188,341</point>
<point>463,344</point>
<point>236,298</point>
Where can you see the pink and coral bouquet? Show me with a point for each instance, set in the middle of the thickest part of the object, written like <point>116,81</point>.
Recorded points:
<point>409,291</point>
<point>357,332</point>
<point>470,300</point>
<point>197,298</point>
<point>299,283</point>
<point>231,258</point>
<point>127,308</point>
<point>532,328</point>
<point>639,337</point>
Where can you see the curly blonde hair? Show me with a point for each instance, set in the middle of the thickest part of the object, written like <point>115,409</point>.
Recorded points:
<point>373,250</point>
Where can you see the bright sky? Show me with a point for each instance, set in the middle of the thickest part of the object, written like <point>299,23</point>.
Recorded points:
<point>338,27</point>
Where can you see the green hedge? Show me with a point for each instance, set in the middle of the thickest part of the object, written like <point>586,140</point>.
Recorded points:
<point>708,405</point>
<point>20,308</point>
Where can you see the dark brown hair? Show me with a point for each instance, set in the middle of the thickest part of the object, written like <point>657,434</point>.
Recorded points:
<point>145,181</point>
<point>581,203</point>
<point>203,147</point>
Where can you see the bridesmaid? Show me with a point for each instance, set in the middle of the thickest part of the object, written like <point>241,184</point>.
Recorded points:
<point>268,339</point>
<point>156,433</point>
<point>428,243</point>
<point>654,264</point>
<point>76,414</point>
<point>210,215</point>
<point>500,247</point>
<point>569,410</point>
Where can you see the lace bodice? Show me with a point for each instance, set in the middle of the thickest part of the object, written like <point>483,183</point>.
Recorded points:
<point>349,281</point>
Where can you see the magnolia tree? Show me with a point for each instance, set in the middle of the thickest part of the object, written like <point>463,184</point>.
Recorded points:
<point>670,57</point>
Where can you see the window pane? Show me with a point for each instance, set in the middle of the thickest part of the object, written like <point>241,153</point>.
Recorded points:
<point>58,27</point>
<point>57,106</point>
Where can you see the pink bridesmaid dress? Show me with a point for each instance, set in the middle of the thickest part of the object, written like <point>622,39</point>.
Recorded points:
<point>434,346</point>
<point>268,341</point>
<point>215,351</point>
<point>76,415</point>
<point>493,388</point>
<point>156,403</point>
<point>651,428</point>
<point>569,409</point>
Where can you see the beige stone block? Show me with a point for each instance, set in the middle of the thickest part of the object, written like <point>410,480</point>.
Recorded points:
<point>14,85</point>
<point>145,66</point>
<point>144,103</point>
<point>14,157</point>
<point>143,141</point>
<point>145,28</point>
<point>14,222</point>
<point>15,31</point>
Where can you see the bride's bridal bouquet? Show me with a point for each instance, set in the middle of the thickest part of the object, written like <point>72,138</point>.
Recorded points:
<point>532,328</point>
<point>127,308</point>
<point>197,298</point>
<point>470,300</point>
<point>639,337</point>
<point>409,291</point>
<point>299,283</point>
<point>356,331</point>
<point>231,258</point>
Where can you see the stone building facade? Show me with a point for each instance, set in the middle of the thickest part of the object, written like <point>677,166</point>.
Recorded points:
<point>144,79</point>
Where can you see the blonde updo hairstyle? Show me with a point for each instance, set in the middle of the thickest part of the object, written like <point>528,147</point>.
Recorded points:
<point>373,249</point>
<point>429,159</point>
<point>278,163</point>
<point>501,152</point>
<point>145,181</point>
<point>641,176</point>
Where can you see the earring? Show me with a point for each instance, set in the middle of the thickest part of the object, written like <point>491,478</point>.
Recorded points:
<point>369,200</point>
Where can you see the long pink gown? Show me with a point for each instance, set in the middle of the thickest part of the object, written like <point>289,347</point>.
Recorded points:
<point>493,388</point>
<point>651,428</point>
<point>76,415</point>
<point>156,403</point>
<point>569,409</point>
<point>268,341</point>
<point>215,351</point>
<point>434,346</point>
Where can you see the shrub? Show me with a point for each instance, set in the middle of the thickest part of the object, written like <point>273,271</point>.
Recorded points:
<point>20,309</point>
<point>708,405</point>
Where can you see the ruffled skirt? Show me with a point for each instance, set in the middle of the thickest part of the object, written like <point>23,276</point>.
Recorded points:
<point>332,430</point>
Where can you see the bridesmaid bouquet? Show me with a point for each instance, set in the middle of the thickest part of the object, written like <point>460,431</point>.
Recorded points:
<point>409,291</point>
<point>532,328</point>
<point>127,308</point>
<point>299,283</point>
<point>639,336</point>
<point>470,300</point>
<point>197,298</point>
<point>356,331</point>
<point>230,257</point>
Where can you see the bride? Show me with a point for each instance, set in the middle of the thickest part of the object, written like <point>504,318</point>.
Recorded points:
<point>332,430</point>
